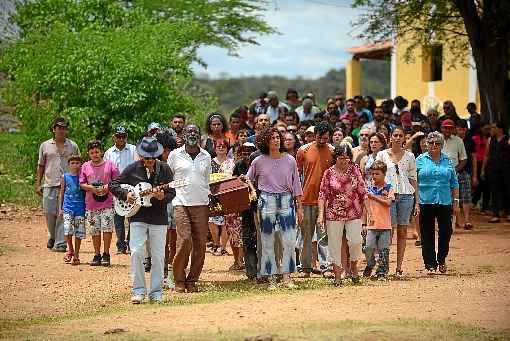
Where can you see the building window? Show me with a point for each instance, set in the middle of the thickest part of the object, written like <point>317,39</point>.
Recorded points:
<point>433,64</point>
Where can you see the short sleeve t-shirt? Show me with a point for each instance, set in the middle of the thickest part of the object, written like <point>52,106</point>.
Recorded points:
<point>105,172</point>
<point>276,175</point>
<point>381,217</point>
<point>313,162</point>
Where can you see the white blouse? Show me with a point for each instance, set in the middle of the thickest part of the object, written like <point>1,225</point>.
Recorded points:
<point>398,175</point>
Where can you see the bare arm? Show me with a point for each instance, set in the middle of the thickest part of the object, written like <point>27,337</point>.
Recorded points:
<point>40,174</point>
<point>380,198</point>
<point>61,196</point>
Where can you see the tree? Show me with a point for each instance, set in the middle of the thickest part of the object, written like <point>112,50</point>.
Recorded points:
<point>103,62</point>
<point>479,26</point>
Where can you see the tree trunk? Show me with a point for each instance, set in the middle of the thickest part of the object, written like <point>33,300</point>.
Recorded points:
<point>489,40</point>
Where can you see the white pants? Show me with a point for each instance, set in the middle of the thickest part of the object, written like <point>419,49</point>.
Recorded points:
<point>336,230</point>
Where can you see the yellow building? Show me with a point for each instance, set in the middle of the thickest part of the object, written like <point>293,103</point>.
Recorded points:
<point>427,79</point>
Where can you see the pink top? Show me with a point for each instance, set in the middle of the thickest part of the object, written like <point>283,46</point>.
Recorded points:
<point>105,172</point>
<point>276,175</point>
<point>344,194</point>
<point>480,146</point>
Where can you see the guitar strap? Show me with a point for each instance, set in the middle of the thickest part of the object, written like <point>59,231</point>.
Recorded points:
<point>157,168</point>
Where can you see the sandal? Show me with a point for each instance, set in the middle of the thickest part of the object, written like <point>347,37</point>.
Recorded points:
<point>76,261</point>
<point>468,226</point>
<point>68,257</point>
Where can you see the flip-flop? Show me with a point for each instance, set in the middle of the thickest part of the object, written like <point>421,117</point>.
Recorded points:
<point>68,257</point>
<point>76,261</point>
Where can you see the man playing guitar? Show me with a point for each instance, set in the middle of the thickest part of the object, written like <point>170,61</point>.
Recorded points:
<point>149,222</point>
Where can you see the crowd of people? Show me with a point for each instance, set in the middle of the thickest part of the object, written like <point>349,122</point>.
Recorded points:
<point>328,188</point>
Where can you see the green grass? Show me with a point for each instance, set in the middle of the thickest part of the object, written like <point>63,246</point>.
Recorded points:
<point>342,329</point>
<point>15,186</point>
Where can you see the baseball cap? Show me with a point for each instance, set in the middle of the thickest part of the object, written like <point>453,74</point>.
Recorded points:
<point>120,130</point>
<point>154,126</point>
<point>310,129</point>
<point>448,123</point>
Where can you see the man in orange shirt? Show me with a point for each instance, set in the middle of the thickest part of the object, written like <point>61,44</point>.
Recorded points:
<point>312,160</point>
<point>234,124</point>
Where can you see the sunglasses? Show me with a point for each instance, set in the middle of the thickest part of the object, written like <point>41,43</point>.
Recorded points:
<point>397,170</point>
<point>437,144</point>
<point>292,130</point>
<point>364,135</point>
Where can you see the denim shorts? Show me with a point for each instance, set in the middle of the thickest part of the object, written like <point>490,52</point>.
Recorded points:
<point>401,209</point>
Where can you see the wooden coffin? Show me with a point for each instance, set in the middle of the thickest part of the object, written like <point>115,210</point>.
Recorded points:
<point>231,196</point>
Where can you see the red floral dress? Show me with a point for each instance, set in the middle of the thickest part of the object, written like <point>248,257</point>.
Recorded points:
<point>343,194</point>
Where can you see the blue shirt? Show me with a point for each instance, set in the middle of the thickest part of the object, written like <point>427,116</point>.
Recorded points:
<point>74,196</point>
<point>121,158</point>
<point>436,180</point>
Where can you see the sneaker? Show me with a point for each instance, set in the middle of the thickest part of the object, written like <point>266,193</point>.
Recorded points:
<point>430,271</point>
<point>381,277</point>
<point>148,264</point>
<point>51,243</point>
<point>367,272</point>
<point>442,268</point>
<point>273,285</point>
<point>59,249</point>
<point>155,300</point>
<point>168,281</point>
<point>137,299</point>
<point>105,260</point>
<point>96,261</point>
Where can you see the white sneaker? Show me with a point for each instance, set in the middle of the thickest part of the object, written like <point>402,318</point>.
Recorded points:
<point>137,299</point>
<point>168,282</point>
<point>272,284</point>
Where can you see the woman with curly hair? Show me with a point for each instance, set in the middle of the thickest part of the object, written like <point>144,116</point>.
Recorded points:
<point>216,127</point>
<point>277,178</point>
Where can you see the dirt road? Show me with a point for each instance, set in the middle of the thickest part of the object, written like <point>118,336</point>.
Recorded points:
<point>62,300</point>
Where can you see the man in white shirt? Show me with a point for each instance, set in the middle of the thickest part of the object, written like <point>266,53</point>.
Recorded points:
<point>191,208</point>
<point>122,154</point>
<point>275,106</point>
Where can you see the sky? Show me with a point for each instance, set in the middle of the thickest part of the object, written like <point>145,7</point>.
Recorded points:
<point>313,39</point>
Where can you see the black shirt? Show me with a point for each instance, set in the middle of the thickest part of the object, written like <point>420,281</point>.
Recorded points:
<point>135,173</point>
<point>470,149</point>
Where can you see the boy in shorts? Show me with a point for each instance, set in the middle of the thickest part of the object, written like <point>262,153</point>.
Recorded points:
<point>72,208</point>
<point>378,228</point>
<point>95,176</point>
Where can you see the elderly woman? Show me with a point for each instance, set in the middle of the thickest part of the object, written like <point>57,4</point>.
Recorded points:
<point>439,199</point>
<point>277,178</point>
<point>342,197</point>
<point>401,174</point>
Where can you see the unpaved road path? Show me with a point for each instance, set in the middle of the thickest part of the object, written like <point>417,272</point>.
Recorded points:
<point>61,300</point>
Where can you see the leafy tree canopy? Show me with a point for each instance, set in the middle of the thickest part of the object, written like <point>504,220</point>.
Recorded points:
<point>104,62</point>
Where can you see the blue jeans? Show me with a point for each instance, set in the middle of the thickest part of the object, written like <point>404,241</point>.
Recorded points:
<point>308,229</point>
<point>120,231</point>
<point>54,223</point>
<point>380,240</point>
<point>277,232</point>
<point>157,237</point>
